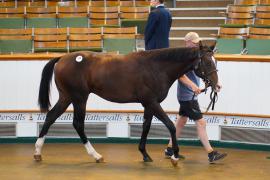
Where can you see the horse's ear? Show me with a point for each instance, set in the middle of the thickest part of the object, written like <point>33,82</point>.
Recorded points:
<point>200,45</point>
<point>212,47</point>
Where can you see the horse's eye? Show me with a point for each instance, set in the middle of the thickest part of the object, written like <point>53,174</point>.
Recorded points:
<point>208,63</point>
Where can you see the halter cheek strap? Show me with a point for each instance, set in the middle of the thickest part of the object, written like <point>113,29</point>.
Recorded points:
<point>213,94</point>
<point>204,75</point>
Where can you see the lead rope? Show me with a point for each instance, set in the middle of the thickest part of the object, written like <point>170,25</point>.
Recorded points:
<point>213,99</point>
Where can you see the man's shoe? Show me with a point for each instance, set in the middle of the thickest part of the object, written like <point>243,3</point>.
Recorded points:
<point>169,152</point>
<point>215,156</point>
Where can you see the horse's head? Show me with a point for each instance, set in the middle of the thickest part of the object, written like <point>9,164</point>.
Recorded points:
<point>206,67</point>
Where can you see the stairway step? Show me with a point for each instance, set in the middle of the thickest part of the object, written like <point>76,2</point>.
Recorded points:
<point>195,12</point>
<point>203,3</point>
<point>197,21</point>
<point>203,32</point>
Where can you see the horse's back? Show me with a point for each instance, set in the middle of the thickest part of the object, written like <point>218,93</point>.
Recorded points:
<point>115,78</point>
<point>107,75</point>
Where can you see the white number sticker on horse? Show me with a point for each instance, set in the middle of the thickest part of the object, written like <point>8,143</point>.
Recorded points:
<point>79,58</point>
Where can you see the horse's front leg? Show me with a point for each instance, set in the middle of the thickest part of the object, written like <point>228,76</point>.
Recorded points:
<point>162,116</point>
<point>148,115</point>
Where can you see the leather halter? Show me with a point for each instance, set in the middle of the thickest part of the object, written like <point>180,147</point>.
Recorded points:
<point>213,94</point>
<point>204,74</point>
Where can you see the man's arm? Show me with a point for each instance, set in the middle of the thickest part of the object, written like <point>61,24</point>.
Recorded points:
<point>150,26</point>
<point>170,21</point>
<point>185,80</point>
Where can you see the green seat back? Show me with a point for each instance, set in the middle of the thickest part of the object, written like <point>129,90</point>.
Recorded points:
<point>15,46</point>
<point>232,25</point>
<point>73,22</point>
<point>258,46</point>
<point>41,23</point>
<point>12,23</point>
<point>51,49</point>
<point>96,49</point>
<point>140,23</point>
<point>123,46</point>
<point>229,46</point>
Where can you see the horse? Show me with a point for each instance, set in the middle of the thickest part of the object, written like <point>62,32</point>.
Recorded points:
<point>139,77</point>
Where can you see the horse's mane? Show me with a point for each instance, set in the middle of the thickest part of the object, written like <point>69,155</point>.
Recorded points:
<point>166,54</point>
<point>170,54</point>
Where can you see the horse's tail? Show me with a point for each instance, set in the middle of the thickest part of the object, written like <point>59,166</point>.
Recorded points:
<point>45,83</point>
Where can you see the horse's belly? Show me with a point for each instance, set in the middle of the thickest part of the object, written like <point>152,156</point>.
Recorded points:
<point>118,99</point>
<point>119,96</point>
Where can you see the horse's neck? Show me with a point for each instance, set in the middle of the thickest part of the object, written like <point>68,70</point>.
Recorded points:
<point>179,69</point>
<point>175,65</point>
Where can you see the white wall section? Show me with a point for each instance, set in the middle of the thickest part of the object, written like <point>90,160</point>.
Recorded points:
<point>245,89</point>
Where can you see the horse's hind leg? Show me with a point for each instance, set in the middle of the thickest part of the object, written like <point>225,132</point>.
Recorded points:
<point>78,123</point>
<point>148,115</point>
<point>51,116</point>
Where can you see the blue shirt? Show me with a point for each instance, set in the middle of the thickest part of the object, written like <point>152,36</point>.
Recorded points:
<point>185,93</point>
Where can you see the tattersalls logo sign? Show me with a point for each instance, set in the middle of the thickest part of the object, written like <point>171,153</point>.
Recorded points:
<point>212,120</point>
<point>248,122</point>
<point>138,118</point>
<point>89,117</point>
<point>4,117</point>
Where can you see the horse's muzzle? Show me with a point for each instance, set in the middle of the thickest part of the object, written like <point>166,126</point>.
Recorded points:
<point>218,87</point>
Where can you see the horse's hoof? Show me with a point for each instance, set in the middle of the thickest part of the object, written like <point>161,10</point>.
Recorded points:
<point>37,157</point>
<point>174,162</point>
<point>147,159</point>
<point>100,160</point>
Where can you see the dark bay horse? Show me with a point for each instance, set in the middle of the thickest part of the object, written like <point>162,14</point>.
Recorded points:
<point>141,77</point>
